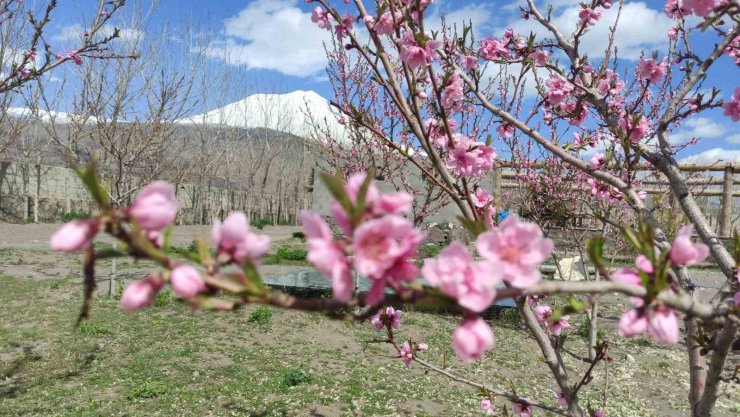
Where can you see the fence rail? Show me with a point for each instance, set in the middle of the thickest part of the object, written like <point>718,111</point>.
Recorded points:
<point>727,192</point>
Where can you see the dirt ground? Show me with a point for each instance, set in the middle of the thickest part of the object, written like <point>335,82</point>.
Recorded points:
<point>170,361</point>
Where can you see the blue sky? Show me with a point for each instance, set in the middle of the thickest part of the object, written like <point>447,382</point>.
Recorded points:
<point>274,45</point>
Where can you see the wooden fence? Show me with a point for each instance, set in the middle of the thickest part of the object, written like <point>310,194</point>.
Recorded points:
<point>724,188</point>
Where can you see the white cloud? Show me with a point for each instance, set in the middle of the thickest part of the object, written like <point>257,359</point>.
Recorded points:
<point>714,155</point>
<point>697,127</point>
<point>273,35</point>
<point>481,15</point>
<point>734,139</point>
<point>75,32</point>
<point>640,28</point>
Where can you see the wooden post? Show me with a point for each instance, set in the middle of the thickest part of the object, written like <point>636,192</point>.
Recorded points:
<point>498,177</point>
<point>725,221</point>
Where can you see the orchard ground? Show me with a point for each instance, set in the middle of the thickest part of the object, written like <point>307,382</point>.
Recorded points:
<point>170,361</point>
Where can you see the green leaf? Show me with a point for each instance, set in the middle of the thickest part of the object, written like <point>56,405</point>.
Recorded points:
<point>489,140</point>
<point>212,303</point>
<point>574,306</point>
<point>475,227</point>
<point>596,250</point>
<point>336,187</point>
<point>631,235</point>
<point>359,208</point>
<point>89,177</point>
<point>227,283</point>
<point>254,284</point>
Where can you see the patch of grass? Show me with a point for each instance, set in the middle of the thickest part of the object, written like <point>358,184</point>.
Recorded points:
<point>181,250</point>
<point>147,389</point>
<point>89,328</point>
<point>430,250</point>
<point>295,376</point>
<point>260,223</point>
<point>583,330</point>
<point>73,215</point>
<point>261,315</point>
<point>291,254</point>
<point>638,341</point>
<point>163,298</point>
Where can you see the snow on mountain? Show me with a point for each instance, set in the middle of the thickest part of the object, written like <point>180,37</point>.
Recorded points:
<point>296,113</point>
<point>47,116</point>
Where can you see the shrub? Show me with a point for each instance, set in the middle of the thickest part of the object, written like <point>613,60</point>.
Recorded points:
<point>291,254</point>
<point>148,389</point>
<point>74,215</point>
<point>163,298</point>
<point>260,223</point>
<point>299,235</point>
<point>296,376</point>
<point>583,330</point>
<point>261,315</point>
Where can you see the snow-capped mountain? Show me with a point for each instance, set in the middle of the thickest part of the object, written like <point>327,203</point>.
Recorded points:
<point>297,113</point>
<point>47,116</point>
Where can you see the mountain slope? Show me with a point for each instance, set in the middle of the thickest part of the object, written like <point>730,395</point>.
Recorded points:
<point>296,113</point>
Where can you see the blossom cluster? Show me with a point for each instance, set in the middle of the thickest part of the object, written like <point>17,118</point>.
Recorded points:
<point>657,319</point>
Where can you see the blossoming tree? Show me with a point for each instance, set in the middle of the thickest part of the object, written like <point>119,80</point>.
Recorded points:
<point>436,85</point>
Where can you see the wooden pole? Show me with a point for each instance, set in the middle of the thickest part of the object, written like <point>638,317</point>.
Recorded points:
<point>725,221</point>
<point>498,177</point>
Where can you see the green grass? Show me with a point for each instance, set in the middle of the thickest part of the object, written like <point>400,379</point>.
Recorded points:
<point>167,360</point>
<point>261,315</point>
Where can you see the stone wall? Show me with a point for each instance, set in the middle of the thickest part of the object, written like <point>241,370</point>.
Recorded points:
<point>60,191</point>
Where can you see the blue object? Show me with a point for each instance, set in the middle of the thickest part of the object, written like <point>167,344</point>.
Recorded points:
<point>503,214</point>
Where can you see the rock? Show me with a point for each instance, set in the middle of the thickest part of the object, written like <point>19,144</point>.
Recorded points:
<point>571,269</point>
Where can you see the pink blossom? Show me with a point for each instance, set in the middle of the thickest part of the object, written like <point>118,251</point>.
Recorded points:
<point>141,293</point>
<point>607,4</point>
<point>235,242</point>
<point>481,197</point>
<point>469,158</point>
<point>651,70</point>
<point>610,84</point>
<point>471,339</point>
<point>561,398</point>
<point>320,17</point>
<point>557,326</point>
<point>522,409</point>
<point>326,255</point>
<point>733,50</point>
<point>369,21</point>
<point>422,347</point>
<point>636,130</point>
<point>75,57</point>
<point>598,413</point>
<point>542,312</point>
<point>560,89</point>
<point>589,16</point>
<point>406,353</point>
<point>455,272</point>
<point>186,281</point>
<point>394,316</point>
<point>644,264</point>
<point>452,95</point>
<point>673,33</point>
<point>702,7</point>
<point>343,28</point>
<point>632,323</point>
<point>673,9</point>
<point>663,326</point>
<point>736,299</point>
<point>492,49</point>
<point>486,405</point>
<point>75,236</point>
<point>416,55</point>
<point>506,130</point>
<point>540,57</point>
<point>155,207</point>
<point>732,108</point>
<point>597,161</point>
<point>377,322</point>
<point>386,25</point>
<point>684,251</point>
<point>470,62</point>
<point>626,276</point>
<point>659,321</point>
<point>516,249</point>
<point>384,249</point>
